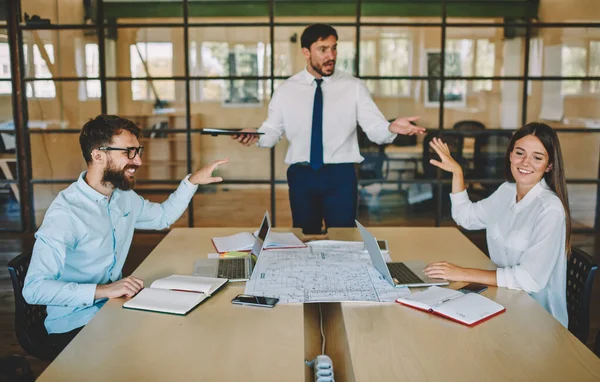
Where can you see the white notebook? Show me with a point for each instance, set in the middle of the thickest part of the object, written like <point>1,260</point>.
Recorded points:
<point>175,294</point>
<point>469,309</point>
<point>244,241</point>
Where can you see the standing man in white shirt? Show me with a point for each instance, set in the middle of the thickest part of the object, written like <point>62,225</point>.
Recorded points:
<point>318,109</point>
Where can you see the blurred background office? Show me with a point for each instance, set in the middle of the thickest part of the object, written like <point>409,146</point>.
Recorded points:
<point>474,70</point>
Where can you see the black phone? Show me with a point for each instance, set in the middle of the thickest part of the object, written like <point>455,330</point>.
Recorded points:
<point>473,288</point>
<point>246,299</point>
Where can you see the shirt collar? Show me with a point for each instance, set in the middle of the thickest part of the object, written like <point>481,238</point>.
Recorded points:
<point>309,78</point>
<point>531,195</point>
<point>94,195</point>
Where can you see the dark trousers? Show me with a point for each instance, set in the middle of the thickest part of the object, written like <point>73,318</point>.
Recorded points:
<point>61,340</point>
<point>329,193</point>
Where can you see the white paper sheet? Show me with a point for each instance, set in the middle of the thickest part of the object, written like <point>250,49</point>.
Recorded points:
<point>319,274</point>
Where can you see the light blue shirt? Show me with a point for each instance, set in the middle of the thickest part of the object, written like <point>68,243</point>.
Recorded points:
<point>83,241</point>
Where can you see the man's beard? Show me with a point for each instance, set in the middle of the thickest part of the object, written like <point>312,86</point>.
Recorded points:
<point>117,178</point>
<point>319,68</point>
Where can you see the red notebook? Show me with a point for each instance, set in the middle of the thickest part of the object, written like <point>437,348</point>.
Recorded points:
<point>468,309</point>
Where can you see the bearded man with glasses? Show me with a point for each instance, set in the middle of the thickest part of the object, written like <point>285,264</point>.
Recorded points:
<point>82,244</point>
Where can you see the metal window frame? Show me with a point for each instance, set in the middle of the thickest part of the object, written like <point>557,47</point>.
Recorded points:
<point>20,113</point>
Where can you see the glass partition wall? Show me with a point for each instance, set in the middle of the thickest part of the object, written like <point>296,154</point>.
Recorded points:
<point>175,67</point>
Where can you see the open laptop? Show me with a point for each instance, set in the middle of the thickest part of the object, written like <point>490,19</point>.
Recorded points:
<point>235,268</point>
<point>405,274</point>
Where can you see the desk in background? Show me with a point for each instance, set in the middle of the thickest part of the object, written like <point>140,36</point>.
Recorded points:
<point>367,341</point>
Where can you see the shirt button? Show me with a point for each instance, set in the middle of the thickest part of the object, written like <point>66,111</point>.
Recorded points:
<point>84,304</point>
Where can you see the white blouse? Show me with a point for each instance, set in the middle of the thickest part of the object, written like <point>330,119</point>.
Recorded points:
<point>526,241</point>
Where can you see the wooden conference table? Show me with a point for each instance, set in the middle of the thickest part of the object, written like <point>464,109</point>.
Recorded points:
<point>367,341</point>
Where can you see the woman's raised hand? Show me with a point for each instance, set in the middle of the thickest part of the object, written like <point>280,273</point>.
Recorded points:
<point>447,163</point>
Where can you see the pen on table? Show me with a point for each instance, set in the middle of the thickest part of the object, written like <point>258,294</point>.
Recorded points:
<point>447,299</point>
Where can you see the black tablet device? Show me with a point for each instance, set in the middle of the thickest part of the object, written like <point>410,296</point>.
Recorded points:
<point>215,132</point>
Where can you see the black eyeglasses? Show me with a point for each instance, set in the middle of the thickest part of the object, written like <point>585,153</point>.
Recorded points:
<point>131,151</point>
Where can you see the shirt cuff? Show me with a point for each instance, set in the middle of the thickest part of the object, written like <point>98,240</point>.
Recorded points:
<point>459,197</point>
<point>85,294</point>
<point>500,277</point>
<point>187,182</point>
<point>390,138</point>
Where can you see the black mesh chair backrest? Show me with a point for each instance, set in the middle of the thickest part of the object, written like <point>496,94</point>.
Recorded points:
<point>375,166</point>
<point>580,277</point>
<point>489,153</point>
<point>468,125</point>
<point>455,144</point>
<point>29,319</point>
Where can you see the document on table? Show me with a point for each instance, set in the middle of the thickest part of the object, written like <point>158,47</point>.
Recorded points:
<point>347,246</point>
<point>319,274</point>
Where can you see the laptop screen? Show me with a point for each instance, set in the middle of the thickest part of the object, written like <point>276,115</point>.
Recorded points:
<point>375,253</point>
<point>263,233</point>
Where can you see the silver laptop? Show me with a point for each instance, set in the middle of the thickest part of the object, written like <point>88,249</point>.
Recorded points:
<point>405,274</point>
<point>235,268</point>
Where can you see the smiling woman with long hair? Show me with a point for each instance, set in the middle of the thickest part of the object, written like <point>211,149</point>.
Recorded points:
<point>527,220</point>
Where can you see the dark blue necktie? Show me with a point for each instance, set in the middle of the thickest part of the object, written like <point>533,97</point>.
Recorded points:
<point>316,138</point>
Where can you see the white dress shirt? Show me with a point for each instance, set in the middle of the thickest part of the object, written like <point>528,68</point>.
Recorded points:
<point>346,102</point>
<point>526,240</point>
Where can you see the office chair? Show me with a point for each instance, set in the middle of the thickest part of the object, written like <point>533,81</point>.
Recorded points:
<point>455,144</point>
<point>29,319</point>
<point>465,127</point>
<point>488,161</point>
<point>16,368</point>
<point>580,277</point>
<point>468,124</point>
<point>489,153</point>
<point>373,169</point>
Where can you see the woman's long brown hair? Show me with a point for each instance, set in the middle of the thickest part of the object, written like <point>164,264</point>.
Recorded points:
<point>555,178</point>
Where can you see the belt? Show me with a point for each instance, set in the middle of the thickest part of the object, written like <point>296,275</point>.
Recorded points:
<point>307,164</point>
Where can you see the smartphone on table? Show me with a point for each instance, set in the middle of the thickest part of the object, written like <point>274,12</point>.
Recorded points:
<point>246,299</point>
<point>473,288</point>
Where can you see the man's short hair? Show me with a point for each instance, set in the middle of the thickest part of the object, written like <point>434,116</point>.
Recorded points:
<point>316,32</point>
<point>100,130</point>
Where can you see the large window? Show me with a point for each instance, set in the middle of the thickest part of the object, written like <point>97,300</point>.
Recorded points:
<point>92,87</point>
<point>152,59</point>
<point>475,58</point>
<point>221,59</point>
<point>5,86</point>
<point>579,59</point>
<point>395,54</point>
<point>37,63</point>
<point>594,70</point>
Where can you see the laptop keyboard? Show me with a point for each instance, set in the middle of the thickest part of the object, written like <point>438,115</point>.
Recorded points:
<point>232,269</point>
<point>403,274</point>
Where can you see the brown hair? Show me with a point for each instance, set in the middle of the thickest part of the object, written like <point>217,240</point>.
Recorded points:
<point>100,130</point>
<point>555,178</point>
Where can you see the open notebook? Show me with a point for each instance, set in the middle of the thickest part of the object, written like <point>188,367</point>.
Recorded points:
<point>244,241</point>
<point>175,294</point>
<point>469,309</point>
